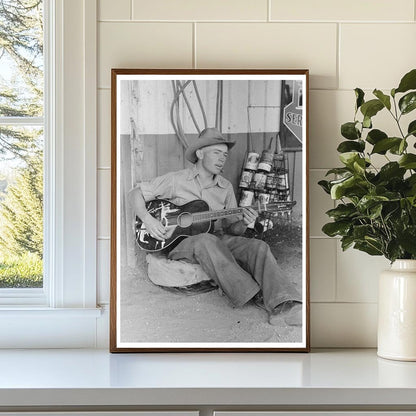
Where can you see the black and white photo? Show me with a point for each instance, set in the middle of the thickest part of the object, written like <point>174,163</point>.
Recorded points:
<point>209,238</point>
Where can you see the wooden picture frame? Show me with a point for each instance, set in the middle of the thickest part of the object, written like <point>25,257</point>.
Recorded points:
<point>159,304</point>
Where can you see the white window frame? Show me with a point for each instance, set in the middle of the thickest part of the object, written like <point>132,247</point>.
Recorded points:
<point>28,318</point>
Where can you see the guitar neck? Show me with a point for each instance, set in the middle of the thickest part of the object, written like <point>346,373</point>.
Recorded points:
<point>215,215</point>
<point>223,213</point>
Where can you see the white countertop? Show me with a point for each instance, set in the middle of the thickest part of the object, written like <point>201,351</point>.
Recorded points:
<point>96,377</point>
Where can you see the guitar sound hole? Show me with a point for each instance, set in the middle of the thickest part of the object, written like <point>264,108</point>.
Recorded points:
<point>185,220</point>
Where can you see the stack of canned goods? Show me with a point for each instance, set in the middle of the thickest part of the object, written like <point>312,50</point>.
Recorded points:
<point>264,178</point>
<point>263,169</point>
<point>249,170</point>
<point>250,167</point>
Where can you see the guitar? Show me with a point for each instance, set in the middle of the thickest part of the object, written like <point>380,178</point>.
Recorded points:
<point>188,219</point>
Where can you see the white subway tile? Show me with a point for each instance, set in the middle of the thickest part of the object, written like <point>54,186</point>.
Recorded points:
<point>323,269</point>
<point>357,275</point>
<point>114,10</point>
<point>319,203</point>
<point>142,45</point>
<point>341,10</point>
<point>328,110</point>
<point>271,45</point>
<point>376,55</point>
<point>343,325</point>
<point>104,203</point>
<point>200,10</point>
<point>104,129</point>
<point>103,271</point>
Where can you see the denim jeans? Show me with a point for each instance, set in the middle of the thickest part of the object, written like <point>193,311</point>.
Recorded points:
<point>241,267</point>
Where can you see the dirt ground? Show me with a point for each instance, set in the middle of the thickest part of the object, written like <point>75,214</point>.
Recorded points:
<point>150,313</point>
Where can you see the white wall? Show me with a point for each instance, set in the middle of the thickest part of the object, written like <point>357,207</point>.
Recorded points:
<point>345,44</point>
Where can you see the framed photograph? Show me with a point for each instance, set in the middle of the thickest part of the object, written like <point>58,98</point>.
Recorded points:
<point>209,211</point>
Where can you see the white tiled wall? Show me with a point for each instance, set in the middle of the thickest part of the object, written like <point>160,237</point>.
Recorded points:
<point>345,44</point>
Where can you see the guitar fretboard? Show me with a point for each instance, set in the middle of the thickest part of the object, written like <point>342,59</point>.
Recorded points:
<point>223,213</point>
<point>214,215</point>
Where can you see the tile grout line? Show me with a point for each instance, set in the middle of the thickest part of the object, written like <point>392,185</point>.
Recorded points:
<point>352,302</point>
<point>131,10</point>
<point>323,237</point>
<point>308,22</point>
<point>269,11</point>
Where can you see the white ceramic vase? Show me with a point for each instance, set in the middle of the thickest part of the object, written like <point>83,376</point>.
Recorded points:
<point>397,312</point>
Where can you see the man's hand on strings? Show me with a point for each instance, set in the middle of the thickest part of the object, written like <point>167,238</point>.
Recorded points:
<point>155,228</point>
<point>249,215</point>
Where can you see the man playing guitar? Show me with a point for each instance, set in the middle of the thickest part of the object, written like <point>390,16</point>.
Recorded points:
<point>241,267</point>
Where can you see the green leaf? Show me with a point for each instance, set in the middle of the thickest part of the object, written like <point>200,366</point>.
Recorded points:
<point>385,99</point>
<point>411,183</point>
<point>349,131</point>
<point>371,108</point>
<point>391,212</point>
<point>368,248</point>
<point>408,102</point>
<point>338,189</point>
<point>391,170</point>
<point>402,147</point>
<point>342,211</point>
<point>408,82</point>
<point>348,158</point>
<point>393,250</point>
<point>338,171</point>
<point>374,136</point>
<point>350,187</point>
<point>346,242</point>
<point>349,146</point>
<point>361,231</point>
<point>411,130</point>
<point>407,240</point>
<point>411,180</point>
<point>359,95</point>
<point>369,201</point>
<point>383,145</point>
<point>325,186</point>
<point>367,122</point>
<point>359,165</point>
<point>375,211</point>
<point>336,228</point>
<point>408,161</point>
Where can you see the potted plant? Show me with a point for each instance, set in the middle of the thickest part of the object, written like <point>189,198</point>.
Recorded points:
<point>376,210</point>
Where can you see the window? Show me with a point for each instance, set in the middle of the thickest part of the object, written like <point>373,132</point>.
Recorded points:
<point>21,143</point>
<point>63,313</point>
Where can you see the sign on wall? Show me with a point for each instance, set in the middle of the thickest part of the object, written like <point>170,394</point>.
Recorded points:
<point>292,113</point>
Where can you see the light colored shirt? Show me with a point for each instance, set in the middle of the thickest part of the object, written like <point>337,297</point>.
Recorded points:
<point>184,186</point>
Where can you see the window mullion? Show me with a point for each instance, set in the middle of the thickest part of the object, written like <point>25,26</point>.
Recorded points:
<point>22,121</point>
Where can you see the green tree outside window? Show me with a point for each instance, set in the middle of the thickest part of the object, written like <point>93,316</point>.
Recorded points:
<point>21,143</point>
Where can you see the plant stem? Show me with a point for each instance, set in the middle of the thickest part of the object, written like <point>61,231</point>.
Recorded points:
<point>397,119</point>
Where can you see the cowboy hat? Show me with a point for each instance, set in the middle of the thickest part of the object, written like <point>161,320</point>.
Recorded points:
<point>207,137</point>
